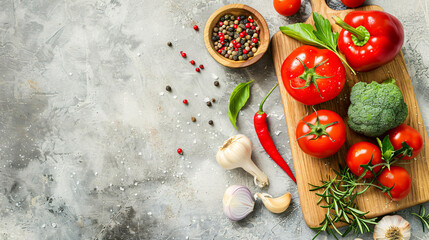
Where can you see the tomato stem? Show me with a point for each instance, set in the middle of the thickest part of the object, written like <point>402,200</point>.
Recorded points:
<point>260,112</point>
<point>318,129</point>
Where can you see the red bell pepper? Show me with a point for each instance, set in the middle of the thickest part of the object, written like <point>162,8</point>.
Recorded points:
<point>369,39</point>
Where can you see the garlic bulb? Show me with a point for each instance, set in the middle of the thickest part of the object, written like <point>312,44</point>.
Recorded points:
<point>392,228</point>
<point>237,202</point>
<point>236,152</point>
<point>275,205</point>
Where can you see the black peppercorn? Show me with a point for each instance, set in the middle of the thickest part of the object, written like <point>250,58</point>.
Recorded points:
<point>222,19</point>
<point>230,29</point>
<point>209,104</point>
<point>169,44</point>
<point>168,88</point>
<point>213,100</point>
<point>211,122</point>
<point>216,83</point>
<point>245,57</point>
<point>245,21</point>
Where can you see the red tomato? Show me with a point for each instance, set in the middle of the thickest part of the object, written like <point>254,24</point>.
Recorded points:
<point>405,133</point>
<point>353,3</point>
<point>287,7</point>
<point>322,67</point>
<point>360,154</point>
<point>399,177</point>
<point>329,123</point>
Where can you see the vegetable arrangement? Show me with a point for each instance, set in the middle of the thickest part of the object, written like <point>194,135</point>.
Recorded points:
<point>311,76</point>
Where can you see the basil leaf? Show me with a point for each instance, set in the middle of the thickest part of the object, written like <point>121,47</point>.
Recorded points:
<point>303,32</point>
<point>238,98</point>
<point>324,31</point>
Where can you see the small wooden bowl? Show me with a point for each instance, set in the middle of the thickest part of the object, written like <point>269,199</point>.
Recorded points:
<point>236,10</point>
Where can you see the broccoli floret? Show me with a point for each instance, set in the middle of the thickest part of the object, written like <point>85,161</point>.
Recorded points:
<point>376,108</point>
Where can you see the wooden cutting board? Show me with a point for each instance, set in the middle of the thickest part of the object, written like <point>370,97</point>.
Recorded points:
<point>312,170</point>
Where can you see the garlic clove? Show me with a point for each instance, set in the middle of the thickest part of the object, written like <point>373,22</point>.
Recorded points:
<point>275,205</point>
<point>392,228</point>
<point>236,152</point>
<point>237,202</point>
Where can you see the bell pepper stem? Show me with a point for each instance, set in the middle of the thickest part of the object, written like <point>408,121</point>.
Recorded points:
<point>263,101</point>
<point>359,34</point>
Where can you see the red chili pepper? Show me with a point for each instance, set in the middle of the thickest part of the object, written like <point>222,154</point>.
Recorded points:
<point>369,38</point>
<point>265,139</point>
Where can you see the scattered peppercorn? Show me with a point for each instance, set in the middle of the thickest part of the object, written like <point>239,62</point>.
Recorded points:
<point>213,100</point>
<point>211,122</point>
<point>195,27</point>
<point>193,119</point>
<point>185,101</point>
<point>197,69</point>
<point>192,62</point>
<point>216,83</point>
<point>183,54</point>
<point>169,44</point>
<point>168,88</point>
<point>209,104</point>
<point>179,151</point>
<point>202,66</point>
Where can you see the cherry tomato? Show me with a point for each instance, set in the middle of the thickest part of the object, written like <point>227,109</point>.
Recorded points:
<point>353,3</point>
<point>329,123</point>
<point>307,67</point>
<point>360,154</point>
<point>398,177</point>
<point>287,7</point>
<point>405,133</point>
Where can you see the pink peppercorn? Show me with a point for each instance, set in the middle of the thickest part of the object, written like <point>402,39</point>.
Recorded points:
<point>183,54</point>
<point>195,27</point>
<point>247,25</point>
<point>179,151</point>
<point>192,62</point>
<point>254,40</point>
<point>202,66</point>
<point>197,69</point>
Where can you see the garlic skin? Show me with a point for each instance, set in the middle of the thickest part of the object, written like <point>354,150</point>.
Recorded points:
<point>392,228</point>
<point>237,202</point>
<point>275,205</point>
<point>236,153</point>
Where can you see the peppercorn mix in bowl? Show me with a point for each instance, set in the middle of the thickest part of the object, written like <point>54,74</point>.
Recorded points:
<point>236,35</point>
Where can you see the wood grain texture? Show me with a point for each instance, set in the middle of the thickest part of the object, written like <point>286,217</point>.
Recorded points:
<point>237,9</point>
<point>312,170</point>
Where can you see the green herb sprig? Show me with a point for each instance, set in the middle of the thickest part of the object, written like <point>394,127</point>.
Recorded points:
<point>237,100</point>
<point>424,218</point>
<point>321,37</point>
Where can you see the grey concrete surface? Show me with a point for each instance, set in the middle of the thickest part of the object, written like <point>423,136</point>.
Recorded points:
<point>89,135</point>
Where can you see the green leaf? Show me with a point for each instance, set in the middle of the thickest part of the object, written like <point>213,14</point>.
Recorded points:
<point>324,32</point>
<point>237,100</point>
<point>387,145</point>
<point>303,32</point>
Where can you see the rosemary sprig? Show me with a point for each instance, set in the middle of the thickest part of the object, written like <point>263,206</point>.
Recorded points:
<point>424,218</point>
<point>339,194</point>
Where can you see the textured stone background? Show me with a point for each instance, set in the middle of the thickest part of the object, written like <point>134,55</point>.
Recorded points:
<point>89,136</point>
